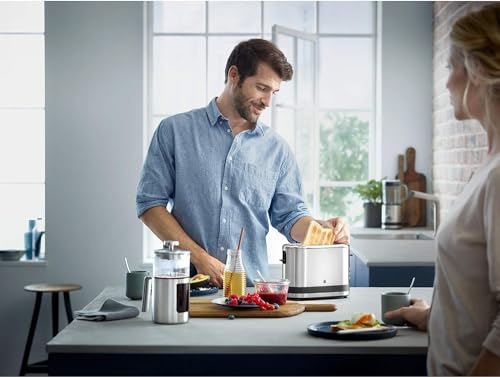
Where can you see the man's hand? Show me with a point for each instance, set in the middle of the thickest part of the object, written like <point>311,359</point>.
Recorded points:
<point>213,267</point>
<point>417,314</point>
<point>340,229</point>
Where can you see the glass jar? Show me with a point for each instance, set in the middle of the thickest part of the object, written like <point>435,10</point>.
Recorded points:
<point>235,279</point>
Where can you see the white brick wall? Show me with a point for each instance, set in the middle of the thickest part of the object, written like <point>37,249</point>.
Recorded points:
<point>458,147</point>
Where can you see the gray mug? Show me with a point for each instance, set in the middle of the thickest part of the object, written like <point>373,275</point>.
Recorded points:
<point>392,301</point>
<point>135,283</point>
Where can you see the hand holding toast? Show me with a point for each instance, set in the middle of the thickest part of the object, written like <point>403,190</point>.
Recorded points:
<point>327,232</point>
<point>340,229</point>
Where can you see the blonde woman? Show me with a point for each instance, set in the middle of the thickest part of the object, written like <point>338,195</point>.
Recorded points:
<point>464,319</point>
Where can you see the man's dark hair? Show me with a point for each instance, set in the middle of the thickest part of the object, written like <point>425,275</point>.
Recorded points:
<point>248,54</point>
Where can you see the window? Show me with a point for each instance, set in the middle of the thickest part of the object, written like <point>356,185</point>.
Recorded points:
<point>190,43</point>
<point>22,119</point>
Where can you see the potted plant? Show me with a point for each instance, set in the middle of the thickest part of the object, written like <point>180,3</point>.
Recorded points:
<point>371,193</point>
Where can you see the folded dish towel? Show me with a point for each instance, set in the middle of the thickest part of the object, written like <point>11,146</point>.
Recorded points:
<point>110,310</point>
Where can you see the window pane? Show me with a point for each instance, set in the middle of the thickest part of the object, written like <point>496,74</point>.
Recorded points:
<point>19,202</point>
<point>179,16</point>
<point>275,241</point>
<point>179,82</point>
<point>154,243</point>
<point>304,136</point>
<point>219,49</point>
<point>286,94</point>
<point>22,17</point>
<point>285,125</point>
<point>22,67</point>
<point>234,16</point>
<point>344,146</point>
<point>352,17</point>
<point>341,201</point>
<point>305,73</point>
<point>298,15</point>
<point>22,146</point>
<point>265,117</point>
<point>346,72</point>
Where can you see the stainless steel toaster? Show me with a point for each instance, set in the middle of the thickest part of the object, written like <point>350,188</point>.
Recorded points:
<point>316,271</point>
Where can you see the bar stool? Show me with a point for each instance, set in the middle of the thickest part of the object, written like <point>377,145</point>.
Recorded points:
<point>40,289</point>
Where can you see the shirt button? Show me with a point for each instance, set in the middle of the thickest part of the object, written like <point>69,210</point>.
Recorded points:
<point>222,248</point>
<point>228,130</point>
<point>226,188</point>
<point>230,158</point>
<point>224,221</point>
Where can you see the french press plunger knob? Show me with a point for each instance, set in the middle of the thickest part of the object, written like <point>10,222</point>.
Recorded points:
<point>170,245</point>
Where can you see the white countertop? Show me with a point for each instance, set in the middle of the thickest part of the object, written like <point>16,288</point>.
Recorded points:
<point>241,335</point>
<point>394,253</point>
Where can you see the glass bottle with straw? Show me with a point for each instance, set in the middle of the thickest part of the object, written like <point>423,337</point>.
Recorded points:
<point>235,280</point>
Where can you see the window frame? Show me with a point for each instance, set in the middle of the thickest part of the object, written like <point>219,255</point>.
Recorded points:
<point>38,184</point>
<point>373,109</point>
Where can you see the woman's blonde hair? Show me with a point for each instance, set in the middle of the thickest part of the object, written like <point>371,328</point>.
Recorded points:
<point>476,39</point>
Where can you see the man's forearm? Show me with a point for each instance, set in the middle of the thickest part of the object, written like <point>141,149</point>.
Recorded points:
<point>166,227</point>
<point>299,229</point>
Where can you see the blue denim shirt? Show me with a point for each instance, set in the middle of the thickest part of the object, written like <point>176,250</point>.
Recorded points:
<point>218,183</point>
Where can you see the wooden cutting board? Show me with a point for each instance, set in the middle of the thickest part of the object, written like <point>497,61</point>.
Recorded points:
<point>401,176</point>
<point>414,209</point>
<point>205,308</point>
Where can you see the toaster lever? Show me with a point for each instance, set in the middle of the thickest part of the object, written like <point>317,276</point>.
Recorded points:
<point>283,260</point>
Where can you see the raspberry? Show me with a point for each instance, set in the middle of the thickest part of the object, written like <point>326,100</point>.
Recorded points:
<point>233,301</point>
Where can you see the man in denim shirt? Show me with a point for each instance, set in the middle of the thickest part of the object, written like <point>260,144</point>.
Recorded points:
<point>222,169</point>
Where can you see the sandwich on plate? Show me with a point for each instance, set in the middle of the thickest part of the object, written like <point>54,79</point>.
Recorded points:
<point>359,321</point>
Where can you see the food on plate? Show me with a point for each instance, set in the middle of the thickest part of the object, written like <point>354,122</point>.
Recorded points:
<point>317,235</point>
<point>358,321</point>
<point>250,298</point>
<point>199,280</point>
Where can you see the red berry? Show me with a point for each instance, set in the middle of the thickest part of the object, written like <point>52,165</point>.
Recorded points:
<point>233,301</point>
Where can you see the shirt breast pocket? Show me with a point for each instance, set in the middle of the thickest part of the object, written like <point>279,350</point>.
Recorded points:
<point>256,186</point>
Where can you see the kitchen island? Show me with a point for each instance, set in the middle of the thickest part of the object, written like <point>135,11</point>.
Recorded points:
<point>243,346</point>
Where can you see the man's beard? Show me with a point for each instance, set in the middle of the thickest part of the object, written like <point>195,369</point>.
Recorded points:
<point>245,111</point>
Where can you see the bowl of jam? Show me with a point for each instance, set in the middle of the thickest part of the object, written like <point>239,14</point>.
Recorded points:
<point>272,291</point>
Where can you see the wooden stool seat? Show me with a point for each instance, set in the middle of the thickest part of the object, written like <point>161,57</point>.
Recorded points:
<point>54,290</point>
<point>49,288</point>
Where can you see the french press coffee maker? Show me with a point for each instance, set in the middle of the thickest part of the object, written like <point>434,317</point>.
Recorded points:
<point>170,287</point>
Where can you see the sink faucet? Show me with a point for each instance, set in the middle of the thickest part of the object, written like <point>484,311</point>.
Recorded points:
<point>435,205</point>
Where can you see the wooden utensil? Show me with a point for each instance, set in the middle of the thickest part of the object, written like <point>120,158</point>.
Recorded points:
<point>205,308</point>
<point>415,209</point>
<point>401,177</point>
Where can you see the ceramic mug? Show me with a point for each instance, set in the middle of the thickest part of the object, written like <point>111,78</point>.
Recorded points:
<point>134,284</point>
<point>392,301</point>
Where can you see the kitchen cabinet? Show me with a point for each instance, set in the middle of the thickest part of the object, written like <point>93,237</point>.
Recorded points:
<point>247,346</point>
<point>369,275</point>
<point>392,262</point>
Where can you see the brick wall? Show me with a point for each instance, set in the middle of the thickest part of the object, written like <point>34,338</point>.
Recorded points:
<point>458,147</point>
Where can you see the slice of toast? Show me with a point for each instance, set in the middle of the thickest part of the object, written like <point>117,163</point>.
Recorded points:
<point>317,235</point>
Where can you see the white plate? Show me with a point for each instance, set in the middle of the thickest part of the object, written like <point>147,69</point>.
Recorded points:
<point>222,301</point>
